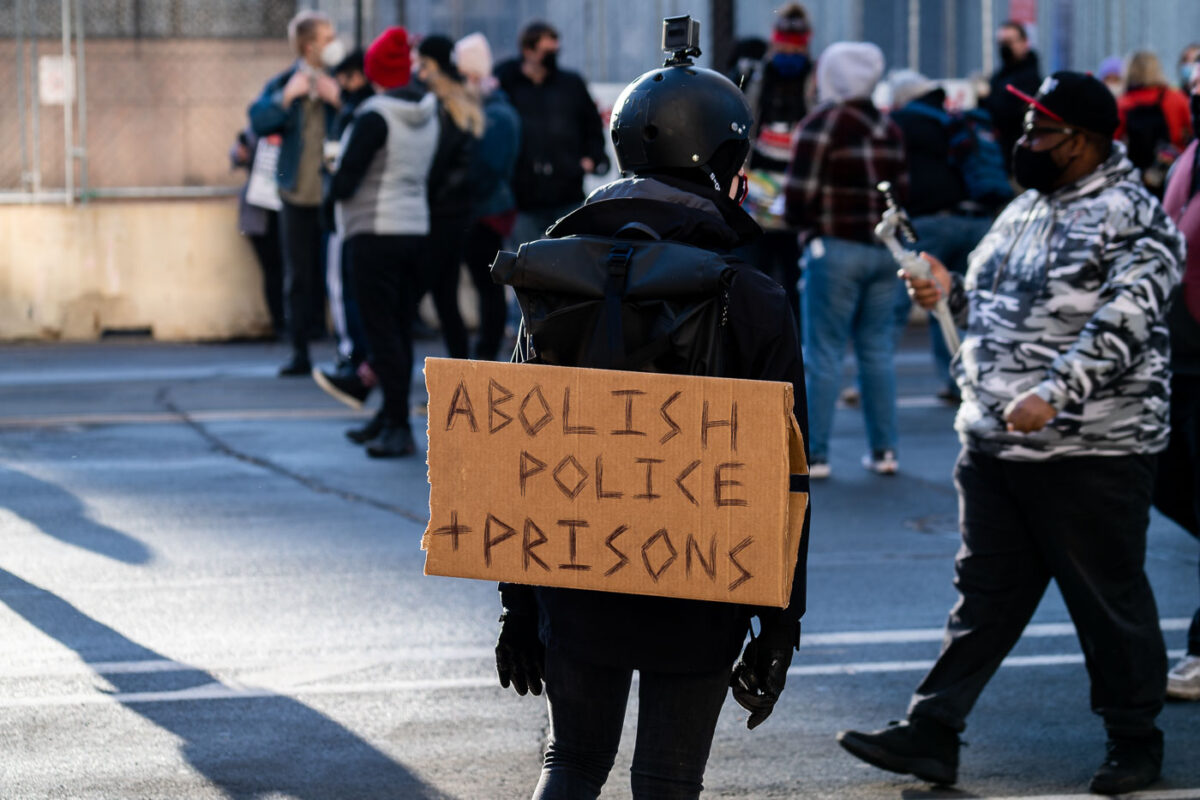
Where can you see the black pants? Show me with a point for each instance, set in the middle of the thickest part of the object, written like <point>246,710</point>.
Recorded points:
<point>482,244</point>
<point>677,715</point>
<point>270,258</point>
<point>1177,487</point>
<point>301,237</point>
<point>1081,521</point>
<point>386,272</point>
<point>443,257</point>
<point>777,253</point>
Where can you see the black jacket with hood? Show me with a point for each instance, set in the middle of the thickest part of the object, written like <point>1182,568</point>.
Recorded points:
<point>657,633</point>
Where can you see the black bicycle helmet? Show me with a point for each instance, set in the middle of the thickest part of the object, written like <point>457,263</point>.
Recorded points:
<point>677,118</point>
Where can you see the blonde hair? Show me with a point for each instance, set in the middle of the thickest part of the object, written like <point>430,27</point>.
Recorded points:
<point>1144,70</point>
<point>462,104</point>
<point>303,28</point>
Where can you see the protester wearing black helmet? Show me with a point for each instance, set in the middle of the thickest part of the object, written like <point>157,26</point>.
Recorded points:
<point>681,135</point>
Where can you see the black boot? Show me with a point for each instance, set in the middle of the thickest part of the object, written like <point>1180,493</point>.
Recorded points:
<point>920,747</point>
<point>367,432</point>
<point>297,365</point>
<point>1132,763</point>
<point>395,441</point>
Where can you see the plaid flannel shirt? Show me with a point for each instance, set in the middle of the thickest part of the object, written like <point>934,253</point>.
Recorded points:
<point>839,153</point>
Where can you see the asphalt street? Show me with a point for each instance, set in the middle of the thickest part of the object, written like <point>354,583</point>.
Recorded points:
<point>207,592</point>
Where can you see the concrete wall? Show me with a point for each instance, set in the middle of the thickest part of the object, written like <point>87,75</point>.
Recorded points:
<point>178,268</point>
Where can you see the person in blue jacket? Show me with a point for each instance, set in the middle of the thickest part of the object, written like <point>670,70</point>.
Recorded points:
<point>301,104</point>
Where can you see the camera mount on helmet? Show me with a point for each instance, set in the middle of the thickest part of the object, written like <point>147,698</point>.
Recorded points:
<point>681,39</point>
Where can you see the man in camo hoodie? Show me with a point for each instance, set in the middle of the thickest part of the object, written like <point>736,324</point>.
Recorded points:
<point>1064,378</point>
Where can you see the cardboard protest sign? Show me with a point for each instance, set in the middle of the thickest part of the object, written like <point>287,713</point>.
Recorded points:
<point>630,482</point>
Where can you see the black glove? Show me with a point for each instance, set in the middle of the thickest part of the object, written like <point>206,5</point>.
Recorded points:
<point>761,672</point>
<point>520,654</point>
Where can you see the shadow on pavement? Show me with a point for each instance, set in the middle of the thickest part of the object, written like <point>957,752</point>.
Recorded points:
<point>246,747</point>
<point>57,512</point>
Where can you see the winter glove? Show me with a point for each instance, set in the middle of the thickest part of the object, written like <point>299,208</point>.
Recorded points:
<point>759,675</point>
<point>520,654</point>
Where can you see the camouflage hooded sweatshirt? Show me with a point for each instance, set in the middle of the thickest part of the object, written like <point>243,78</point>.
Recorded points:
<point>1066,297</point>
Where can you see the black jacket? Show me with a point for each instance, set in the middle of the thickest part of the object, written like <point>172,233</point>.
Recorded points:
<point>1008,110</point>
<point>657,633</point>
<point>559,126</point>
<point>933,184</point>
<point>450,191</point>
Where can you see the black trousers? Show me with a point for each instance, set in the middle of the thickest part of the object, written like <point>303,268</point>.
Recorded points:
<point>301,238</point>
<point>482,244</point>
<point>1177,487</point>
<point>777,253</point>
<point>386,274</point>
<point>444,254</point>
<point>677,715</point>
<point>1081,521</point>
<point>270,258</point>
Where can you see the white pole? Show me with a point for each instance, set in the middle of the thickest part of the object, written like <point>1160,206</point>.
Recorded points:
<point>914,35</point>
<point>988,26</point>
<point>68,128</point>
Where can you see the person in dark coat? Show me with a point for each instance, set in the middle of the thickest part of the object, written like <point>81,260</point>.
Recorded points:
<point>495,210</point>
<point>562,137</point>
<point>461,124</point>
<point>585,645</point>
<point>1177,485</point>
<point>1019,67</point>
<point>946,224</point>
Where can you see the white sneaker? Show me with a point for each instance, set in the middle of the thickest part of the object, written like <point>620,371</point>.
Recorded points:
<point>818,470</point>
<point>1183,681</point>
<point>881,462</point>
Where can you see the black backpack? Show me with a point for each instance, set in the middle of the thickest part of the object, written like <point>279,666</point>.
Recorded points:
<point>638,303</point>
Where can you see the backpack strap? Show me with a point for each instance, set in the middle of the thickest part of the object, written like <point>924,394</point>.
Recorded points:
<point>614,292</point>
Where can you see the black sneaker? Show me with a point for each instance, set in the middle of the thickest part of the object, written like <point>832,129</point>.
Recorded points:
<point>345,388</point>
<point>369,431</point>
<point>295,366</point>
<point>1131,764</point>
<point>394,442</point>
<point>920,747</point>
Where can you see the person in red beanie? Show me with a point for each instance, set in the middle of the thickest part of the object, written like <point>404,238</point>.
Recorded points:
<point>382,213</point>
<point>778,91</point>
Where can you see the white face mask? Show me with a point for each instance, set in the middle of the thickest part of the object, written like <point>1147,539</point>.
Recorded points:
<point>333,53</point>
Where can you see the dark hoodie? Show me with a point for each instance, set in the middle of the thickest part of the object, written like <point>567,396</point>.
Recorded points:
<point>1008,110</point>
<point>657,633</point>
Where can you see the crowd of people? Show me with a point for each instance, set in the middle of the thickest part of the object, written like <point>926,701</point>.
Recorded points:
<point>1057,222</point>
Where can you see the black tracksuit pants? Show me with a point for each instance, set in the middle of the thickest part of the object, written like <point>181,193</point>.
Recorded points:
<point>387,279</point>
<point>303,276</point>
<point>1081,521</point>
<point>482,245</point>
<point>1177,492</point>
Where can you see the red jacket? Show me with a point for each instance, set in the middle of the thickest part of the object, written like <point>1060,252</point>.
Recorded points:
<point>1174,106</point>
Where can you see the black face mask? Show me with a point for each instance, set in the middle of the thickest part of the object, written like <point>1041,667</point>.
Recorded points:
<point>352,97</point>
<point>1007,55</point>
<point>1195,104</point>
<point>550,61</point>
<point>1036,169</point>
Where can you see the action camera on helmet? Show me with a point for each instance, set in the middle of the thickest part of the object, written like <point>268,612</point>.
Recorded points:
<point>682,117</point>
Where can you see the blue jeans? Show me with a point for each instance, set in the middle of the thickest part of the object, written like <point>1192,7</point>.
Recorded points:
<point>950,239</point>
<point>849,291</point>
<point>677,715</point>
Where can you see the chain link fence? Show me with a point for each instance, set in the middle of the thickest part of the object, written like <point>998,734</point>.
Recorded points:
<point>148,100</point>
